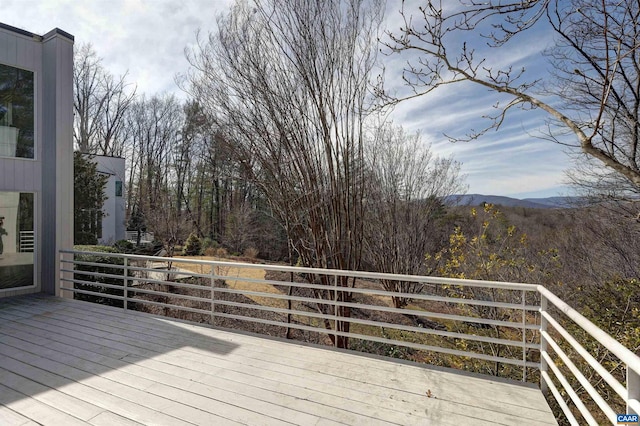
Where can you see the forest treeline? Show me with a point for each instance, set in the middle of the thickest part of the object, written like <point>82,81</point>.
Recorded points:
<point>283,147</point>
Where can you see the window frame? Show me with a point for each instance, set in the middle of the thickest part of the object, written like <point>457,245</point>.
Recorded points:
<point>36,144</point>
<point>36,245</point>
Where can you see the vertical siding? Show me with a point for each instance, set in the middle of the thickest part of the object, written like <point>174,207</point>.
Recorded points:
<point>28,53</point>
<point>50,174</point>
<point>57,149</point>
<point>8,47</point>
<point>113,226</point>
<point>64,151</point>
<point>8,174</point>
<point>19,174</point>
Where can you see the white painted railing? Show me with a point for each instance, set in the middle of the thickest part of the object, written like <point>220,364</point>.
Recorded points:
<point>629,392</point>
<point>144,236</point>
<point>26,242</point>
<point>502,326</point>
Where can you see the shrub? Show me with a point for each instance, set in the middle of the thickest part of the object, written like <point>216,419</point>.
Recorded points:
<point>85,238</point>
<point>193,246</point>
<point>124,246</point>
<point>221,252</point>
<point>211,252</point>
<point>111,267</point>
<point>251,252</point>
<point>208,243</point>
<point>149,249</point>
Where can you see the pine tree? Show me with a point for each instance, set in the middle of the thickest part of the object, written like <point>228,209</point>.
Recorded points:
<point>89,196</point>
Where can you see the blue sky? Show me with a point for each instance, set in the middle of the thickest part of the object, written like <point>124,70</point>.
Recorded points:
<point>148,39</point>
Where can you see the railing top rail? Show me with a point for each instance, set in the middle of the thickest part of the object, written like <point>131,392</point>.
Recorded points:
<point>320,271</point>
<point>625,355</point>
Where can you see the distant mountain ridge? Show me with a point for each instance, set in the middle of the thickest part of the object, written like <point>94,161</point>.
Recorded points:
<point>534,203</point>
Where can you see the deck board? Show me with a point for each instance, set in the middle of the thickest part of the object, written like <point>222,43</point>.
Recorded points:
<point>10,417</point>
<point>100,365</point>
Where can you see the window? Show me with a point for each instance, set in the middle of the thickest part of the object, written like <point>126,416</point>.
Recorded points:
<point>118,188</point>
<point>17,240</point>
<point>16,112</point>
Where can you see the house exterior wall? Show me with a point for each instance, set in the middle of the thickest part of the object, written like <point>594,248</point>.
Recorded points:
<point>113,223</point>
<point>49,174</point>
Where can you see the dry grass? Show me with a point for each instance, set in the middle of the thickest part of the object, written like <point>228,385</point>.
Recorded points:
<point>235,281</point>
<point>236,278</point>
<point>251,253</point>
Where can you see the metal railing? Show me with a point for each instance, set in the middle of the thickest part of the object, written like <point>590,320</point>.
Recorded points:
<point>507,329</point>
<point>144,236</point>
<point>26,242</point>
<point>629,392</point>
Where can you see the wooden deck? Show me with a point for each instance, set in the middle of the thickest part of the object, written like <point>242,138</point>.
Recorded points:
<point>69,362</point>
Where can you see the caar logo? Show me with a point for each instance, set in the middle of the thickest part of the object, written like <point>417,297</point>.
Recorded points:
<point>627,419</point>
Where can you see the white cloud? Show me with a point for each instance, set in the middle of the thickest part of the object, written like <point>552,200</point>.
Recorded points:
<point>148,38</point>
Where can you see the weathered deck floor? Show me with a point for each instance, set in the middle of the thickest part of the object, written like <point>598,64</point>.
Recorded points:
<point>68,362</point>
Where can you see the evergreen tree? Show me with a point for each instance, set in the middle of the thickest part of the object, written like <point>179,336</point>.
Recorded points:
<point>89,196</point>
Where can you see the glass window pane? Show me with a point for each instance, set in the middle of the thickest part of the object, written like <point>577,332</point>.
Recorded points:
<point>17,240</point>
<point>16,112</point>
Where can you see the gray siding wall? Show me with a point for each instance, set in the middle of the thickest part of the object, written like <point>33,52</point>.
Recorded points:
<point>57,163</point>
<point>50,174</point>
<point>113,224</point>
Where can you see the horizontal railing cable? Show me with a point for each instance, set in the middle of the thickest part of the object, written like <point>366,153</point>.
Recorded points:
<point>615,347</point>
<point>603,372</point>
<point>457,306</point>
<point>561,402</point>
<point>570,391</point>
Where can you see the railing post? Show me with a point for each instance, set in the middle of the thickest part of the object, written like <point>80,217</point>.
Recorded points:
<point>126,282</point>
<point>60,289</point>
<point>213,296</point>
<point>633,389</point>
<point>543,345</point>
<point>335,306</point>
<point>524,336</point>
<point>65,284</point>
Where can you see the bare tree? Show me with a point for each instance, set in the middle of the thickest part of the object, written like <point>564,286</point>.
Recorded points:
<point>595,65</point>
<point>404,201</point>
<point>596,184</point>
<point>167,223</point>
<point>86,80</point>
<point>156,125</point>
<point>286,82</point>
<point>100,104</point>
